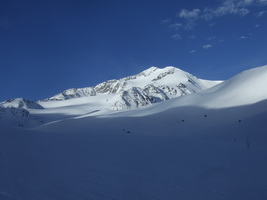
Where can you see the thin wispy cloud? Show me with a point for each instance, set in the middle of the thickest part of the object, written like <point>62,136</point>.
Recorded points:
<point>193,51</point>
<point>243,37</point>
<point>207,46</point>
<point>239,8</point>
<point>212,24</point>
<point>189,19</point>
<point>190,16</point>
<point>190,24</point>
<point>212,38</point>
<point>193,14</point>
<point>231,7</point>
<point>176,26</point>
<point>192,37</point>
<point>176,37</point>
<point>262,2</point>
<point>260,14</point>
<point>165,21</point>
<point>227,7</point>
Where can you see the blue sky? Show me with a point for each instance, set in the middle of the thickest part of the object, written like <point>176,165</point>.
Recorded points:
<point>49,46</point>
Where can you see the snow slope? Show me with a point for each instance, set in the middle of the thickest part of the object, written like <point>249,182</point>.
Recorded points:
<point>246,88</point>
<point>209,145</point>
<point>150,157</point>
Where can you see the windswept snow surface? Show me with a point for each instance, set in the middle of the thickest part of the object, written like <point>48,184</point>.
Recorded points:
<point>199,146</point>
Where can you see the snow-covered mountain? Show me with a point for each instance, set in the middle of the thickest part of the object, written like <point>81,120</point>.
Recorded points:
<point>16,112</point>
<point>20,103</point>
<point>148,87</point>
<point>18,117</point>
<point>245,92</point>
<point>206,145</point>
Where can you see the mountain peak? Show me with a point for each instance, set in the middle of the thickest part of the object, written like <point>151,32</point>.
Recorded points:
<point>20,103</point>
<point>149,71</point>
<point>148,87</point>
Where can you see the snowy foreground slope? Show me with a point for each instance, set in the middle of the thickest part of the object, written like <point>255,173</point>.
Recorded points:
<point>208,145</point>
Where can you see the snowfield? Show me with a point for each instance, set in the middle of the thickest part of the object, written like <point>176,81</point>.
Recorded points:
<point>210,144</point>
